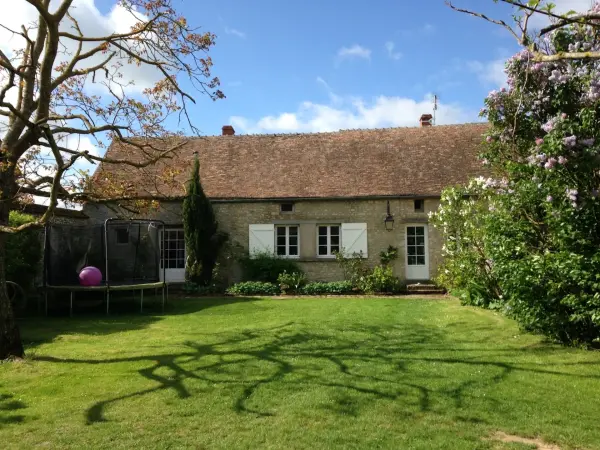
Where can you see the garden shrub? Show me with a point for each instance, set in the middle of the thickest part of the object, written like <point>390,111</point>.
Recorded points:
<point>386,257</point>
<point>192,288</point>
<point>332,288</point>
<point>23,252</point>
<point>254,288</point>
<point>267,267</point>
<point>380,280</point>
<point>354,268</point>
<point>291,282</point>
<point>526,240</point>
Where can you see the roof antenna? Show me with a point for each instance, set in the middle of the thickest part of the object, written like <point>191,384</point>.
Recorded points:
<point>435,106</point>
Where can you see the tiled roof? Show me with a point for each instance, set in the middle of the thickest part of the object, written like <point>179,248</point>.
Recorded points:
<point>351,163</point>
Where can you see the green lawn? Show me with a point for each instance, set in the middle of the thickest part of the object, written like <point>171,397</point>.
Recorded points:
<point>296,373</point>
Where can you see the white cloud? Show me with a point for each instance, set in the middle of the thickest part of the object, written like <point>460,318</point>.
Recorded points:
<point>356,51</point>
<point>489,73</point>
<point>235,32</point>
<point>562,6</point>
<point>353,113</point>
<point>390,47</point>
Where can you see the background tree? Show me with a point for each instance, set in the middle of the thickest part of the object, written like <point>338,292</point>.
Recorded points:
<point>202,238</point>
<point>532,249</point>
<point>61,83</point>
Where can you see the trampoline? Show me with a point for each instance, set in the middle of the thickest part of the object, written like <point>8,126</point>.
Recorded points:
<point>127,252</point>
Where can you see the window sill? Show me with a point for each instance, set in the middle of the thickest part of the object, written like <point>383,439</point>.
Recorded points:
<point>318,259</point>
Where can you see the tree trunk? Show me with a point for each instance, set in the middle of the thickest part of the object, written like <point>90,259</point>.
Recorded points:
<point>10,338</point>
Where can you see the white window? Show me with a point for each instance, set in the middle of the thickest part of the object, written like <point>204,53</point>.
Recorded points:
<point>328,240</point>
<point>287,241</point>
<point>173,253</point>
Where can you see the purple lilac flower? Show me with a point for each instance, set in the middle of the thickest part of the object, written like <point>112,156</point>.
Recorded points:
<point>562,160</point>
<point>549,126</point>
<point>563,116</point>
<point>550,163</point>
<point>588,142</point>
<point>570,141</point>
<point>572,194</point>
<point>539,141</point>
<point>489,139</point>
<point>549,198</point>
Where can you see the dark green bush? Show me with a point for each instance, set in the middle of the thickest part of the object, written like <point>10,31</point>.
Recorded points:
<point>254,288</point>
<point>291,282</point>
<point>23,252</point>
<point>192,288</point>
<point>266,267</point>
<point>333,288</point>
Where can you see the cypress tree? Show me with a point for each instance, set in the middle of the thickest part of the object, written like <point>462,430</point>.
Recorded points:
<point>203,240</point>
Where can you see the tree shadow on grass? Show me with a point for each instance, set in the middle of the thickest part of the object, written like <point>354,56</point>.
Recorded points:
<point>8,407</point>
<point>358,364</point>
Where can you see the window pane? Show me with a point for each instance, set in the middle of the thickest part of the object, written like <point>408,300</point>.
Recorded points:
<point>410,240</point>
<point>293,250</point>
<point>323,240</point>
<point>421,240</point>
<point>281,240</point>
<point>322,249</point>
<point>411,250</point>
<point>181,264</point>
<point>412,260</point>
<point>280,231</point>
<point>335,240</point>
<point>420,231</point>
<point>322,231</point>
<point>410,231</point>
<point>335,230</point>
<point>293,240</point>
<point>335,249</point>
<point>421,260</point>
<point>420,250</point>
<point>293,231</point>
<point>281,250</point>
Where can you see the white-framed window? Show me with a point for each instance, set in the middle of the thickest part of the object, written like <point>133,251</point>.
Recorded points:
<point>328,240</point>
<point>287,241</point>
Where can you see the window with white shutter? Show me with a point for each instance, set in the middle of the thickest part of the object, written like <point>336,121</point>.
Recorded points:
<point>354,239</point>
<point>261,239</point>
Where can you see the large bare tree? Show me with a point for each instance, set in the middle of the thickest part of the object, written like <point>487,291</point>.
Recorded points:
<point>65,92</point>
<point>533,37</point>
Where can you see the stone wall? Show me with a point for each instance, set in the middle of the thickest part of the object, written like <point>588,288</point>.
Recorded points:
<point>235,217</point>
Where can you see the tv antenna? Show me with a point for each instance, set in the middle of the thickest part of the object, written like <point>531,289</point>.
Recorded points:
<point>435,106</point>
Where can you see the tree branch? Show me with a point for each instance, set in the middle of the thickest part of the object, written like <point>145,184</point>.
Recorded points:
<point>483,16</point>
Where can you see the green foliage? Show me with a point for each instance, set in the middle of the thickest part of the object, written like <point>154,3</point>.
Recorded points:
<point>332,288</point>
<point>380,280</point>
<point>254,288</point>
<point>354,267</point>
<point>527,240</point>
<point>23,252</point>
<point>291,282</point>
<point>388,256</point>
<point>267,267</point>
<point>203,240</point>
<point>192,288</point>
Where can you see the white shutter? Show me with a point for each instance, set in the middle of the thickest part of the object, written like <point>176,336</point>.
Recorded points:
<point>354,239</point>
<point>261,238</point>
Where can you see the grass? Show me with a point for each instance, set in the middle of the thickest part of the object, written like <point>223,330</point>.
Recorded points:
<point>296,373</point>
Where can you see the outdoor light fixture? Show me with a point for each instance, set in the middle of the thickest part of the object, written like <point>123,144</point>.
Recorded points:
<point>389,219</point>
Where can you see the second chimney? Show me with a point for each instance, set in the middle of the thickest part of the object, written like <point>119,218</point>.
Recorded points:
<point>228,130</point>
<point>426,120</point>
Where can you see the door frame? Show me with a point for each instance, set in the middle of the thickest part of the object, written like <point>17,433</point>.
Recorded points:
<point>166,274</point>
<point>426,267</point>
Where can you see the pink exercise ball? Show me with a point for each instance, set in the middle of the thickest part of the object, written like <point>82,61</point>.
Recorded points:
<point>90,276</point>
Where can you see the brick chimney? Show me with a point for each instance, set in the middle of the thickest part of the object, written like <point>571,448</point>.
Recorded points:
<point>228,130</point>
<point>425,120</point>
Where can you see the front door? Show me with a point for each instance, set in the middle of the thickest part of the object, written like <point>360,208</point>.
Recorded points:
<point>172,256</point>
<point>417,255</point>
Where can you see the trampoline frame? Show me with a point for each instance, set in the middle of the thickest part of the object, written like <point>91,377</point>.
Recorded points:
<point>107,287</point>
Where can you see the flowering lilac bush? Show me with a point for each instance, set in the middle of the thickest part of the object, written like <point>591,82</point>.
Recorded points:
<point>527,239</point>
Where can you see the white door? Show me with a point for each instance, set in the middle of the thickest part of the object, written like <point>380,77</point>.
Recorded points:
<point>417,254</point>
<point>172,256</point>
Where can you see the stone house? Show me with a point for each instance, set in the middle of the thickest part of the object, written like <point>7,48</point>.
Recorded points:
<point>307,196</point>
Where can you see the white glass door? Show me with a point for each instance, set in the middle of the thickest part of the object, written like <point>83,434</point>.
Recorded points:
<point>172,256</point>
<point>417,254</point>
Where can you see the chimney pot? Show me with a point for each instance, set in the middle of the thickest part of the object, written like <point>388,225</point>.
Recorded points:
<point>425,120</point>
<point>228,130</point>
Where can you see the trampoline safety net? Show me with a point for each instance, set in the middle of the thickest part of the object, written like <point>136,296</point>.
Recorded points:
<point>129,251</point>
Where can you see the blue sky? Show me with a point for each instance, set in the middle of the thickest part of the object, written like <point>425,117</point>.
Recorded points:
<point>289,66</point>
